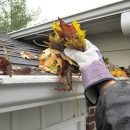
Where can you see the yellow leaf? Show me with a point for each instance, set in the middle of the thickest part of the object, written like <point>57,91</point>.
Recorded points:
<point>45,54</point>
<point>53,69</point>
<point>59,61</point>
<point>64,57</point>
<point>56,27</point>
<point>81,33</point>
<point>50,61</point>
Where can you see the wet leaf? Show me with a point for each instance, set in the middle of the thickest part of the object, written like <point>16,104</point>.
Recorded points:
<point>22,70</point>
<point>66,80</point>
<point>55,62</point>
<point>5,68</point>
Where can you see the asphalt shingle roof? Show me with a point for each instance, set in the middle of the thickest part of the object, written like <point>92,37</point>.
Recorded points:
<point>14,48</point>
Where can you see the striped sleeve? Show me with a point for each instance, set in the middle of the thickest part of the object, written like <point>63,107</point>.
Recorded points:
<point>95,73</point>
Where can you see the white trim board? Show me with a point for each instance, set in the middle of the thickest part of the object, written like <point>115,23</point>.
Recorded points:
<point>79,119</point>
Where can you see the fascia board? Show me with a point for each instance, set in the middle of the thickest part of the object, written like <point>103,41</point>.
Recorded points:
<point>21,92</point>
<point>22,79</point>
<point>94,14</point>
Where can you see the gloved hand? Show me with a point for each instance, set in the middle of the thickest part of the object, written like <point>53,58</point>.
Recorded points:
<point>91,54</point>
<point>92,68</point>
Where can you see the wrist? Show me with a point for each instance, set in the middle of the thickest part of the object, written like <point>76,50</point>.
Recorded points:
<point>105,84</point>
<point>95,73</point>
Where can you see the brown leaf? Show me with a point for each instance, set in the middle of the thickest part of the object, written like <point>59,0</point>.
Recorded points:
<point>4,66</point>
<point>68,31</point>
<point>22,70</point>
<point>3,61</point>
<point>70,36</point>
<point>56,43</point>
<point>66,80</point>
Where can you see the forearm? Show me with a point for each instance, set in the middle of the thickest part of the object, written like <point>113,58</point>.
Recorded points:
<point>112,111</point>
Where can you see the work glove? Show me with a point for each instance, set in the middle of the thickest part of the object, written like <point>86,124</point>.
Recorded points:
<point>92,67</point>
<point>91,54</point>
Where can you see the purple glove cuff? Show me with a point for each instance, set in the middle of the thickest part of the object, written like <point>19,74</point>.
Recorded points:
<point>95,73</point>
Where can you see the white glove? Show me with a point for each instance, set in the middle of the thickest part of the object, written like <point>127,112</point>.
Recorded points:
<point>91,54</point>
<point>93,69</point>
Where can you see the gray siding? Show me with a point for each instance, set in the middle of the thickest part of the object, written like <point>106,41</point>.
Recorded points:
<point>43,117</point>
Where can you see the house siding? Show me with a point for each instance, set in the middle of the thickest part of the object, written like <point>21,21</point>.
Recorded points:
<point>114,46</point>
<point>43,117</point>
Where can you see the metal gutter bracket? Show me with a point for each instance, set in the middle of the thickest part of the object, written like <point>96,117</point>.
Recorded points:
<point>1,81</point>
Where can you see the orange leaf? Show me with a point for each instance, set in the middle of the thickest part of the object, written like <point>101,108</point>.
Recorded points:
<point>41,62</point>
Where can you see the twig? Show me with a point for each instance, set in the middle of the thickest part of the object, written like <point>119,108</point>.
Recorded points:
<point>39,44</point>
<point>74,112</point>
<point>76,101</point>
<point>47,43</point>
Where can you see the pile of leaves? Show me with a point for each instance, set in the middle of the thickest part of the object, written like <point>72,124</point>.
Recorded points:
<point>116,70</point>
<point>53,59</point>
<point>66,35</point>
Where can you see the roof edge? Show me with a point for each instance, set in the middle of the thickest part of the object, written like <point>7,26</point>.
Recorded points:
<point>94,14</point>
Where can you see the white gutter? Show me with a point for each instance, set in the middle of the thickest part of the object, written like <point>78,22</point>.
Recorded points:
<point>21,92</point>
<point>33,79</point>
<point>30,79</point>
<point>97,13</point>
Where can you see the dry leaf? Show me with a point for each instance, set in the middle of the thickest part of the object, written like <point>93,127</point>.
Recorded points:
<point>4,66</point>
<point>68,31</point>
<point>66,35</point>
<point>53,61</point>
<point>28,55</point>
<point>22,70</point>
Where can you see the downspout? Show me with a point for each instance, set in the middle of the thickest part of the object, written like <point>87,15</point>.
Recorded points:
<point>125,24</point>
